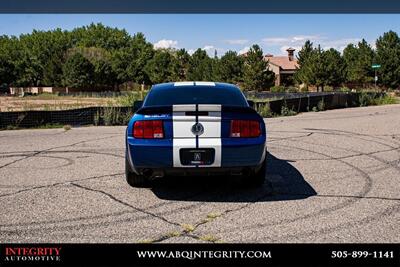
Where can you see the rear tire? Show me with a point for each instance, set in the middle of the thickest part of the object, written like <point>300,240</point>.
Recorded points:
<point>258,177</point>
<point>133,179</point>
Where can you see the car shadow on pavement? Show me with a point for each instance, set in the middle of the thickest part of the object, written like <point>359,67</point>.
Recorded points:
<point>283,182</point>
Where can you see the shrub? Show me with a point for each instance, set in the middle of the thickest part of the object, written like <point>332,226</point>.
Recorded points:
<point>344,89</point>
<point>112,116</point>
<point>128,99</point>
<point>264,110</point>
<point>126,117</point>
<point>278,89</point>
<point>366,99</point>
<point>385,100</point>
<point>285,111</point>
<point>321,105</point>
<point>97,117</point>
<point>303,88</point>
<point>292,89</point>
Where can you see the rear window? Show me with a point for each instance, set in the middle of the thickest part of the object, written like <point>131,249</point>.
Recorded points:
<point>195,95</point>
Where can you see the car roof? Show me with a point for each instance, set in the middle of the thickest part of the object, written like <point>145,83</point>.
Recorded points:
<point>171,85</point>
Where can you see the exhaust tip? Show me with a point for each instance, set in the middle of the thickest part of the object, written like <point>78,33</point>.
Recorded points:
<point>153,174</point>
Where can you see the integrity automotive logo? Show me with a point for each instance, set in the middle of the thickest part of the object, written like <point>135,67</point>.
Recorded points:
<point>32,254</point>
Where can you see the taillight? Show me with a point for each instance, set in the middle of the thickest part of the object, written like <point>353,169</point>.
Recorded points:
<point>245,128</point>
<point>148,129</point>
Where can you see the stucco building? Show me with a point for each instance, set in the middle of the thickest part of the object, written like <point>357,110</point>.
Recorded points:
<point>284,67</point>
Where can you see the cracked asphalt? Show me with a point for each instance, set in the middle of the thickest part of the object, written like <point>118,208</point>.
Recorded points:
<point>332,176</point>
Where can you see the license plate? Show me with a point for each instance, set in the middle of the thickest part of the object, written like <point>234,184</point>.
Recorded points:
<point>197,156</point>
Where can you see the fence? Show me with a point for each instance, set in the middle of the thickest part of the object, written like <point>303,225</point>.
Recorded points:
<point>307,102</point>
<point>265,95</point>
<point>121,115</point>
<point>81,116</point>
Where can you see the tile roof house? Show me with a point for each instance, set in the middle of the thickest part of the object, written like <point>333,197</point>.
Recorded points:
<point>284,67</point>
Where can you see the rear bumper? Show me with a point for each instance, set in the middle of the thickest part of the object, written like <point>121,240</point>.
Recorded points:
<point>211,171</point>
<point>144,154</point>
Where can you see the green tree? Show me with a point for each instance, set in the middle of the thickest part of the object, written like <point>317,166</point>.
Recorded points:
<point>200,66</point>
<point>256,75</point>
<point>104,75</point>
<point>52,72</point>
<point>129,62</point>
<point>35,52</point>
<point>388,56</point>
<point>143,52</point>
<point>8,51</point>
<point>320,68</point>
<point>120,61</point>
<point>160,67</point>
<point>334,68</point>
<point>180,65</point>
<point>230,68</point>
<point>98,35</point>
<point>78,72</point>
<point>358,60</point>
<point>302,59</point>
<point>313,69</point>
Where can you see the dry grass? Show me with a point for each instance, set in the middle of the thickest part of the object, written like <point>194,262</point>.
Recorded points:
<point>9,103</point>
<point>187,227</point>
<point>174,234</point>
<point>213,215</point>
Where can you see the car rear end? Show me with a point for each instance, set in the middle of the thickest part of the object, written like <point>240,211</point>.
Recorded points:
<point>196,138</point>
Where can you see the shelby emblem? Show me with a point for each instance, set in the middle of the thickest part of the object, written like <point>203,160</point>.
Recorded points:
<point>197,129</point>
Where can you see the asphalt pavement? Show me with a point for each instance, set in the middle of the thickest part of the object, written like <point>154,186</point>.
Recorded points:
<point>332,176</point>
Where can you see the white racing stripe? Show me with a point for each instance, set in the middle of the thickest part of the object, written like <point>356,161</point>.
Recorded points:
<point>205,83</point>
<point>182,134</point>
<point>211,138</point>
<point>184,138</point>
<point>179,143</point>
<point>184,84</point>
<point>212,143</point>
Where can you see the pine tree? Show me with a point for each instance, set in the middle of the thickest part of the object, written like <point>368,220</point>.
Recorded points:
<point>388,56</point>
<point>358,60</point>
<point>302,58</point>
<point>230,68</point>
<point>334,68</point>
<point>200,66</point>
<point>180,65</point>
<point>256,73</point>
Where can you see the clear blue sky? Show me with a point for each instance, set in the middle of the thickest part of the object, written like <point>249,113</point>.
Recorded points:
<point>274,33</point>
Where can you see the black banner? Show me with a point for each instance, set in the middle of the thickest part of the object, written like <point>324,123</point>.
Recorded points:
<point>201,6</point>
<point>200,255</point>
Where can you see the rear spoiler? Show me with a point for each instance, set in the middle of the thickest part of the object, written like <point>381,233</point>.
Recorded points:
<point>154,110</point>
<point>168,109</point>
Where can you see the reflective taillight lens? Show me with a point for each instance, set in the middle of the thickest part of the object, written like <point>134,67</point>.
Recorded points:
<point>245,128</point>
<point>148,129</point>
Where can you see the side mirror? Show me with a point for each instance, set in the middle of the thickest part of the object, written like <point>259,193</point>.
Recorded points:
<point>251,103</point>
<point>137,105</point>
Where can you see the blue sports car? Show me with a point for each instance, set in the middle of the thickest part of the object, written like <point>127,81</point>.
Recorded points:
<point>195,128</point>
